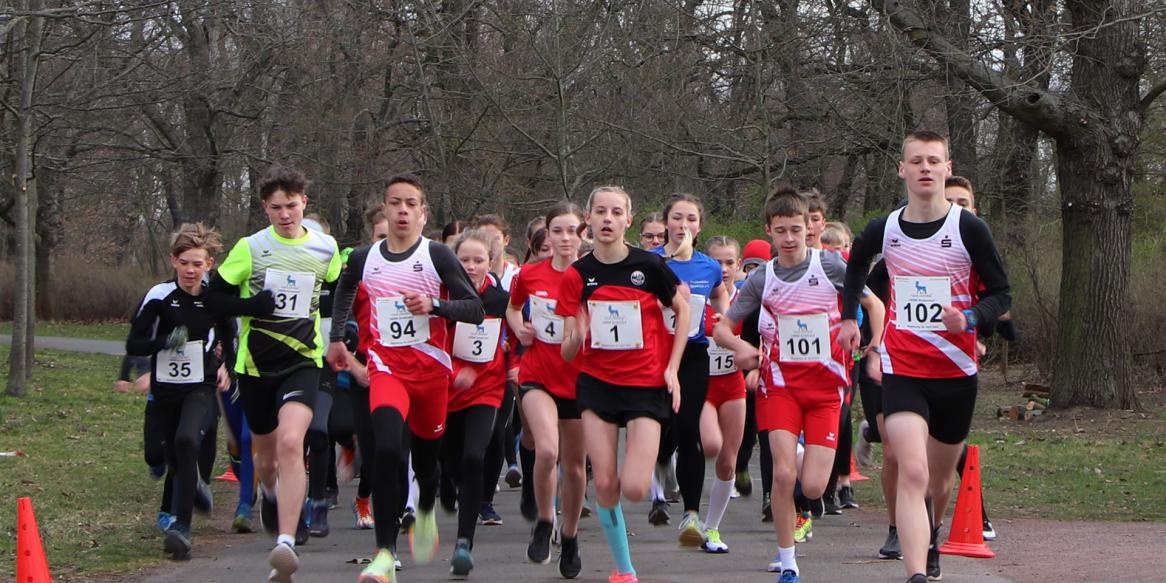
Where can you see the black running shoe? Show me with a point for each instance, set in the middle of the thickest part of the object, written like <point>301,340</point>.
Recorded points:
<point>569,562</point>
<point>817,508</point>
<point>539,550</point>
<point>891,548</point>
<point>989,530</point>
<point>934,573</point>
<point>269,515</point>
<point>407,520</point>
<point>658,515</point>
<point>766,510</point>
<point>302,527</point>
<point>917,578</point>
<point>177,543</point>
<point>830,504</point>
<point>846,497</point>
<point>318,519</point>
<point>513,477</point>
<point>204,501</point>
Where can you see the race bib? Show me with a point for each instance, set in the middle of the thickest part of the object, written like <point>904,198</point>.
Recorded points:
<point>181,366</point>
<point>292,291</point>
<point>804,338</point>
<point>720,360</point>
<point>398,327</point>
<point>477,342</point>
<point>616,325</point>
<point>325,327</point>
<point>919,302</point>
<point>547,326</point>
<point>695,308</point>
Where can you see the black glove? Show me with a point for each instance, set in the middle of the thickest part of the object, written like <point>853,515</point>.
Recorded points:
<point>178,337</point>
<point>261,304</point>
<point>1007,330</point>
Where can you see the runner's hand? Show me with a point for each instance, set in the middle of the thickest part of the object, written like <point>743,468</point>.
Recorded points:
<point>872,360</point>
<point>465,379</point>
<point>337,356</point>
<point>224,379</point>
<point>177,337</point>
<point>954,320</point>
<point>849,335</point>
<point>261,304</point>
<point>417,304</point>
<point>525,334</point>
<point>752,379</point>
<point>673,384</point>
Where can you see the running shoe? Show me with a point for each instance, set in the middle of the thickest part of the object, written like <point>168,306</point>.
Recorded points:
<point>332,495</point>
<point>556,531</point>
<point>318,519</point>
<point>346,465</point>
<point>165,521</point>
<point>177,543</point>
<point>617,577</point>
<point>744,483</point>
<point>817,508</point>
<point>691,532</point>
<point>382,569</point>
<point>830,504</point>
<point>891,548</point>
<point>788,576</point>
<point>775,564</point>
<point>917,578</point>
<point>734,494</point>
<point>934,573</point>
<point>569,562</point>
<point>489,516</point>
<point>712,542</point>
<point>363,514</point>
<point>284,563</point>
<point>407,519</point>
<point>461,563</point>
<point>156,472</point>
<point>242,523</point>
<point>863,449</point>
<point>766,510</point>
<point>513,476</point>
<point>846,497</point>
<point>658,515</point>
<point>989,531</point>
<point>539,549</point>
<point>204,500</point>
<point>585,511</point>
<point>269,514</point>
<point>803,529</point>
<point>423,538</point>
<point>671,486</point>
<point>302,525</point>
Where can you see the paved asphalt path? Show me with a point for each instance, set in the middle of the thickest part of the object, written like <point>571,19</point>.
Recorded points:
<point>843,549</point>
<point>113,347</point>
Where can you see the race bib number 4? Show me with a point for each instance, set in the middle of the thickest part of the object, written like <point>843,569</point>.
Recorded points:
<point>804,338</point>
<point>616,325</point>
<point>695,309</point>
<point>720,360</point>
<point>477,342</point>
<point>292,291</point>
<point>397,326</point>
<point>181,366</point>
<point>919,302</point>
<point>548,327</point>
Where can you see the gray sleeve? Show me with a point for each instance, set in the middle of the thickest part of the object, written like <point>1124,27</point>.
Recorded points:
<point>463,304</point>
<point>749,296</point>
<point>835,267</point>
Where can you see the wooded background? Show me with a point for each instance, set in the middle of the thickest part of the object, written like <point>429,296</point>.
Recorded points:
<point>121,120</point>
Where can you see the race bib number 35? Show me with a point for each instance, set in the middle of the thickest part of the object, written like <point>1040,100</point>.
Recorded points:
<point>477,342</point>
<point>181,366</point>
<point>292,290</point>
<point>616,325</point>
<point>804,338</point>
<point>695,310</point>
<point>548,327</point>
<point>397,326</point>
<point>919,302</point>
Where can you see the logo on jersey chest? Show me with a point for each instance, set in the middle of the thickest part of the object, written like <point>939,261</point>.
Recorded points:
<point>591,282</point>
<point>417,267</point>
<point>894,242</point>
<point>637,278</point>
<point>813,281</point>
<point>265,253</point>
<point>945,242</point>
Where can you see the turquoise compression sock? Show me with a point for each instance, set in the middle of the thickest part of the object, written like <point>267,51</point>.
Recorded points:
<point>616,533</point>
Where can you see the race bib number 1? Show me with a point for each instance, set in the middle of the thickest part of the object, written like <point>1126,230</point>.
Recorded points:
<point>477,342</point>
<point>397,326</point>
<point>181,366</point>
<point>919,302</point>
<point>292,290</point>
<point>548,327</point>
<point>695,309</point>
<point>804,338</point>
<point>616,325</point>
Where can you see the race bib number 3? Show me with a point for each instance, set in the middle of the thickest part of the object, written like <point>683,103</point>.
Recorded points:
<point>181,366</point>
<point>292,290</point>
<point>695,309</point>
<point>548,327</point>
<point>397,326</point>
<point>616,325</point>
<point>804,338</point>
<point>720,360</point>
<point>477,342</point>
<point>919,302</point>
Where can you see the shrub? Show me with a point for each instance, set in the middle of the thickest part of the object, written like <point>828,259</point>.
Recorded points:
<point>82,291</point>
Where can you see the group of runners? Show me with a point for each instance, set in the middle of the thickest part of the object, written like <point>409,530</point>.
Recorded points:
<point>422,358</point>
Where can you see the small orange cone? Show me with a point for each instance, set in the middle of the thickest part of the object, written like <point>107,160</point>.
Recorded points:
<point>227,476</point>
<point>31,564</point>
<point>854,475</point>
<point>967,527</point>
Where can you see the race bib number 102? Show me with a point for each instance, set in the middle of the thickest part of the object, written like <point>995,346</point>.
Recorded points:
<point>919,302</point>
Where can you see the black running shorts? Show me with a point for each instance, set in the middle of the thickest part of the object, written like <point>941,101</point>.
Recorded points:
<point>946,404</point>
<point>618,404</point>
<point>263,396</point>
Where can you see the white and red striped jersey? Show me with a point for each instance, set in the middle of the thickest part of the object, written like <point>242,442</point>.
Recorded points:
<point>385,280</point>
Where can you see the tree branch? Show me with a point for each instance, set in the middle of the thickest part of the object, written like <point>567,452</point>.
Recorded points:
<point>1151,95</point>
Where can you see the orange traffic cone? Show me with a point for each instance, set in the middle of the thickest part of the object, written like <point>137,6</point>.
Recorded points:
<point>967,527</point>
<point>854,475</point>
<point>227,476</point>
<point>31,564</point>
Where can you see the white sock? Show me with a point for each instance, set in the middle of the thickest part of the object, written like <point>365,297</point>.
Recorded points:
<point>412,503</point>
<point>718,501</point>
<point>287,539</point>
<point>657,490</point>
<point>789,559</point>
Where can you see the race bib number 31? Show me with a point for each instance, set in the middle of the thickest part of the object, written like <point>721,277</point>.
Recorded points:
<point>804,338</point>
<point>919,302</point>
<point>292,291</point>
<point>476,342</point>
<point>616,325</point>
<point>181,366</point>
<point>548,327</point>
<point>397,326</point>
<point>695,310</point>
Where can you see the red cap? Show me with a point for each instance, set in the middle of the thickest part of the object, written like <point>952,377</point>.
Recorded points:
<point>757,249</point>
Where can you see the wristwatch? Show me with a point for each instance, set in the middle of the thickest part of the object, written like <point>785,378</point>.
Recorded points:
<point>972,320</point>
<point>436,304</point>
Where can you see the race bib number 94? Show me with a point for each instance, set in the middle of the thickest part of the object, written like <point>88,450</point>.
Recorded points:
<point>919,302</point>
<point>181,366</point>
<point>397,326</point>
<point>477,342</point>
<point>804,338</point>
<point>616,325</point>
<point>292,291</point>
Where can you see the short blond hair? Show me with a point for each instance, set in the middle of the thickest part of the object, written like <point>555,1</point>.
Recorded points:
<point>195,236</point>
<point>836,235</point>
<point>615,189</point>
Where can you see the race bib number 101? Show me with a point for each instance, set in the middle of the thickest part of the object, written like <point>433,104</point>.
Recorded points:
<point>804,337</point>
